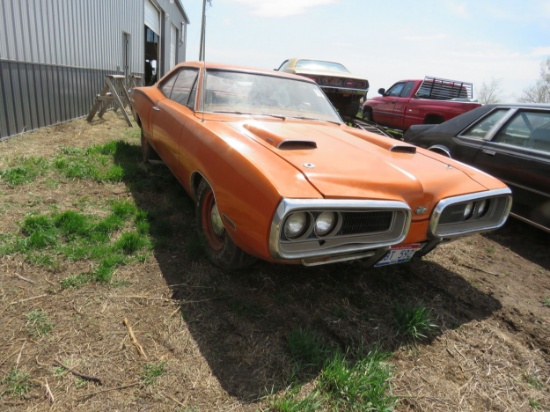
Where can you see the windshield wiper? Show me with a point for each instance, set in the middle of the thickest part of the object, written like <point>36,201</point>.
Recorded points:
<point>313,118</point>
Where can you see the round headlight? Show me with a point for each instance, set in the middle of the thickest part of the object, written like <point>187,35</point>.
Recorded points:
<point>482,207</point>
<point>468,209</point>
<point>295,225</point>
<point>324,223</point>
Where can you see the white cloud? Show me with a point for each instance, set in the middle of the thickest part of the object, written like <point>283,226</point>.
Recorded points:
<point>282,8</point>
<point>540,51</point>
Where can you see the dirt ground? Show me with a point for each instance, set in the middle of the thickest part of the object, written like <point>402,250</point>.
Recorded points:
<point>222,336</point>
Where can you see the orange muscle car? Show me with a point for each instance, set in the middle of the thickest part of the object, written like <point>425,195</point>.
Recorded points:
<point>276,174</point>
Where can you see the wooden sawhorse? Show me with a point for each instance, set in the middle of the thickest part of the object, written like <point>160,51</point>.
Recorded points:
<point>113,91</point>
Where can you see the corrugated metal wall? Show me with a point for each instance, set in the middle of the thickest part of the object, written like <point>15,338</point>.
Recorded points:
<point>54,55</point>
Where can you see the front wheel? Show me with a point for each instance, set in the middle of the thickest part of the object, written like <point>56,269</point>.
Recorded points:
<point>218,245</point>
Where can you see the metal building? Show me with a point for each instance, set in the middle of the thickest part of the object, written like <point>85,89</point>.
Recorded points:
<point>54,54</point>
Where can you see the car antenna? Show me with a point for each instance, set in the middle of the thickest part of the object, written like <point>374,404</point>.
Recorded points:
<point>202,55</point>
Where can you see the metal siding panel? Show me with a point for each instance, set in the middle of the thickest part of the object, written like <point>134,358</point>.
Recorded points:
<point>4,31</point>
<point>32,30</point>
<point>6,114</point>
<point>30,106</point>
<point>9,23</point>
<point>16,98</point>
<point>39,93</point>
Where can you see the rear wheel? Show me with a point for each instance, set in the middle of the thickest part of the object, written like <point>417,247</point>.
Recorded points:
<point>218,245</point>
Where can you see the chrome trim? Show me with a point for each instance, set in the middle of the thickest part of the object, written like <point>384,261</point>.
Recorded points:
<point>338,258</point>
<point>488,222</point>
<point>337,245</point>
<point>442,148</point>
<point>530,222</point>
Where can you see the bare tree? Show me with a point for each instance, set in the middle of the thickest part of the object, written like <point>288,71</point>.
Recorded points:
<point>540,91</point>
<point>489,92</point>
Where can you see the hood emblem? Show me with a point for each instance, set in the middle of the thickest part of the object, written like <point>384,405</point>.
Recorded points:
<point>309,165</point>
<point>420,210</point>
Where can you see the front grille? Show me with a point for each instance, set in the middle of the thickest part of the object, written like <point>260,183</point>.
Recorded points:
<point>365,222</point>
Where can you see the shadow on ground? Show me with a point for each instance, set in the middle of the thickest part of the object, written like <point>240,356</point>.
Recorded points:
<point>525,240</point>
<point>241,321</point>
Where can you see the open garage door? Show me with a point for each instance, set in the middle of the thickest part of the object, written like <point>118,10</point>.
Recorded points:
<point>152,43</point>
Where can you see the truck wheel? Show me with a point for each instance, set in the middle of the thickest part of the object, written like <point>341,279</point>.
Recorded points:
<point>367,113</point>
<point>218,245</point>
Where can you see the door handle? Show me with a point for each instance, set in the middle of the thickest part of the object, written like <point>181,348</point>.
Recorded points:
<point>156,108</point>
<point>489,152</point>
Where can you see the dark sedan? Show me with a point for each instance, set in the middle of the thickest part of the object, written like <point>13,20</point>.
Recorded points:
<point>510,142</point>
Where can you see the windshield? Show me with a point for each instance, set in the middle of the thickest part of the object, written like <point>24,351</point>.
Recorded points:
<point>321,65</point>
<point>258,94</point>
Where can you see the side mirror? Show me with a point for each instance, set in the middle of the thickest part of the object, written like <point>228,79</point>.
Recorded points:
<point>382,91</point>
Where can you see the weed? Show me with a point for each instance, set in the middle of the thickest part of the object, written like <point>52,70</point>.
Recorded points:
<point>413,321</point>
<point>76,281</point>
<point>131,242</point>
<point>17,383</point>
<point>546,302</point>
<point>533,403</point>
<point>305,348</point>
<point>290,402</point>
<point>490,249</point>
<point>362,386</point>
<point>151,371</point>
<point>38,323</point>
<point>533,381</point>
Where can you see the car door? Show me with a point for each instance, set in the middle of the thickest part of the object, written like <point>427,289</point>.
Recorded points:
<point>170,116</point>
<point>383,112</point>
<point>467,144</point>
<point>518,153</point>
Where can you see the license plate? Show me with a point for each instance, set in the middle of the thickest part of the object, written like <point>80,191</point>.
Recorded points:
<point>399,254</point>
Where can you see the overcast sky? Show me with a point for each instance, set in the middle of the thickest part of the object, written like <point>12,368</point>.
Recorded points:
<point>385,41</point>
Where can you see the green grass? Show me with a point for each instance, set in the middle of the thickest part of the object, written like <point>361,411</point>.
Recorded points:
<point>546,302</point>
<point>360,386</point>
<point>49,239</point>
<point>291,402</point>
<point>152,371</point>
<point>306,349</point>
<point>17,383</point>
<point>413,321</point>
<point>76,281</point>
<point>343,384</point>
<point>26,171</point>
<point>38,323</point>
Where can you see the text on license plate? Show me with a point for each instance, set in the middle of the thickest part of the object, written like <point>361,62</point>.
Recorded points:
<point>399,254</point>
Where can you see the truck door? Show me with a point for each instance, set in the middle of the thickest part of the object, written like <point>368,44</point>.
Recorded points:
<point>384,111</point>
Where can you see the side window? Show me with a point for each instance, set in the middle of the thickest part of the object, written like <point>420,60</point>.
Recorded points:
<point>527,129</point>
<point>183,86</point>
<point>481,128</point>
<point>407,89</point>
<point>395,90</point>
<point>167,86</point>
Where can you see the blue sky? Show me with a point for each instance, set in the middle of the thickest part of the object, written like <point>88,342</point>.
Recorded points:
<point>385,41</point>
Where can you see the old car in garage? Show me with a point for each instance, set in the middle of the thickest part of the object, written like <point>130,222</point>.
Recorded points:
<point>509,141</point>
<point>277,175</point>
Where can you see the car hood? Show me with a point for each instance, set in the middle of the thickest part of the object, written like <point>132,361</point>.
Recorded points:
<point>344,162</point>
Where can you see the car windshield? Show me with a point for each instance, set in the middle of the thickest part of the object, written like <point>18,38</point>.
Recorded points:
<point>320,65</point>
<point>258,94</point>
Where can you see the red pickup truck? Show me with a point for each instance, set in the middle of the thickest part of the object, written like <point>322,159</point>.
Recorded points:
<point>429,101</point>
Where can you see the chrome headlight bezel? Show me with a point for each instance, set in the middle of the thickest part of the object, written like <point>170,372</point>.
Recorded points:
<point>472,213</point>
<point>337,237</point>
